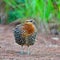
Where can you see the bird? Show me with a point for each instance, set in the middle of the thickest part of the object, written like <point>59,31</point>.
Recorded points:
<point>25,34</point>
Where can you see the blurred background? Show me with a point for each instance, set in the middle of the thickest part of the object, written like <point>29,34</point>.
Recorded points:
<point>45,12</point>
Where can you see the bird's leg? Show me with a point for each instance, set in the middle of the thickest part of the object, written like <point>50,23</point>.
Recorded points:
<point>28,51</point>
<point>22,50</point>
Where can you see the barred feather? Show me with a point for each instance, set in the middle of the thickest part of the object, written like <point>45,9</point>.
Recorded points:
<point>21,39</point>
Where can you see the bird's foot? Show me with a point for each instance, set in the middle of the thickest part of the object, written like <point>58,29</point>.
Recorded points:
<point>28,52</point>
<point>21,52</point>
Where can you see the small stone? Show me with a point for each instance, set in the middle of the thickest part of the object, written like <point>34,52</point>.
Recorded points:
<point>55,38</point>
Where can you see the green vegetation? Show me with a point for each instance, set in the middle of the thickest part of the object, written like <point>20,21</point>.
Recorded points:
<point>41,9</point>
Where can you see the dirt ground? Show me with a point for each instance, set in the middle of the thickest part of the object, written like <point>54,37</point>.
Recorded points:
<point>41,50</point>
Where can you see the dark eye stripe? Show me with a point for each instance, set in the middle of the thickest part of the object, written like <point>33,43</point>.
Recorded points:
<point>31,21</point>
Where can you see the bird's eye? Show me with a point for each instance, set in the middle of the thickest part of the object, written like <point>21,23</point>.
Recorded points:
<point>31,21</point>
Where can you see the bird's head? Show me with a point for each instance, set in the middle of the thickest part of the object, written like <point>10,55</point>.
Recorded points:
<point>31,21</point>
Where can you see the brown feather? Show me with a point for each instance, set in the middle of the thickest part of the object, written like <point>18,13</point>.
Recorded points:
<point>29,28</point>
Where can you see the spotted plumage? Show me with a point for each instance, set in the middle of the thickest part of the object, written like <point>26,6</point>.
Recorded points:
<point>25,34</point>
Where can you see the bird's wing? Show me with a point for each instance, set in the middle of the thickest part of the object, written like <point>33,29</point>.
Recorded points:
<point>18,35</point>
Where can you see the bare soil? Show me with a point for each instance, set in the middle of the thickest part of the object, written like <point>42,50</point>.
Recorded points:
<point>41,50</point>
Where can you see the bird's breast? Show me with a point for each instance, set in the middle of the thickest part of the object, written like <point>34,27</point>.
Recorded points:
<point>29,29</point>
